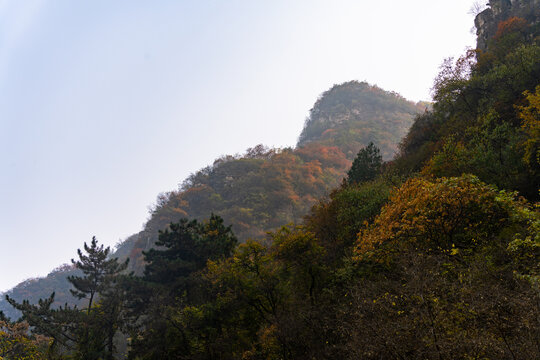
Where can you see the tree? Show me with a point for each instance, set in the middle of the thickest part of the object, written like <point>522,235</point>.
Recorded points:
<point>98,270</point>
<point>86,333</point>
<point>16,341</point>
<point>530,116</point>
<point>100,273</point>
<point>336,221</point>
<point>172,283</point>
<point>184,248</point>
<point>447,215</point>
<point>60,325</point>
<point>366,166</point>
<point>449,269</point>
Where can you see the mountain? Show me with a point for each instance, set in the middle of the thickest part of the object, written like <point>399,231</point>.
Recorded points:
<point>265,188</point>
<point>56,281</point>
<point>433,255</point>
<point>487,22</point>
<point>484,120</point>
<point>353,114</point>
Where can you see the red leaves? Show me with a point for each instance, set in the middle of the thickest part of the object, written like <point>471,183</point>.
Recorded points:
<point>513,24</point>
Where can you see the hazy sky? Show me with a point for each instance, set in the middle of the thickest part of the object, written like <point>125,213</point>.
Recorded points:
<point>105,104</point>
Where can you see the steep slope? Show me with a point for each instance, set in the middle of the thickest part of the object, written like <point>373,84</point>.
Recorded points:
<point>352,114</point>
<point>484,119</point>
<point>440,265</point>
<point>266,188</point>
<point>443,265</point>
<point>487,22</point>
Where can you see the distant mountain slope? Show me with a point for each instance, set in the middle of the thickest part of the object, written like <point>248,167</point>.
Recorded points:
<point>34,289</point>
<point>352,114</point>
<point>56,281</point>
<point>266,188</point>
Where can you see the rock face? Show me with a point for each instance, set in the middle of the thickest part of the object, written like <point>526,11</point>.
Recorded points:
<point>499,10</point>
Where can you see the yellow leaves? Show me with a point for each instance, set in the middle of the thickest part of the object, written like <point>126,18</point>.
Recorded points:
<point>530,115</point>
<point>445,214</point>
<point>16,343</point>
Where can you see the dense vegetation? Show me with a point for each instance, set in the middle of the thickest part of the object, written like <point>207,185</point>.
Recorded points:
<point>263,188</point>
<point>434,255</point>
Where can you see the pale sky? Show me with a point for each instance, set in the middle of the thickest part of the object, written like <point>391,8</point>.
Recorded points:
<point>105,104</point>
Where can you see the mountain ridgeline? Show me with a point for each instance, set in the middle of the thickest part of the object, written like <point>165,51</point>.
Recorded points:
<point>432,255</point>
<point>353,114</point>
<point>264,188</point>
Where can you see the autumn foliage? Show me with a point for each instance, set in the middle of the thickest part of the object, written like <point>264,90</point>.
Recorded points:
<point>16,342</point>
<point>433,255</point>
<point>440,215</point>
<point>513,24</point>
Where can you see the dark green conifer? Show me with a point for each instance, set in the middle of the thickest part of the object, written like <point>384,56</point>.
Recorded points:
<point>366,166</point>
<point>97,269</point>
<point>84,334</point>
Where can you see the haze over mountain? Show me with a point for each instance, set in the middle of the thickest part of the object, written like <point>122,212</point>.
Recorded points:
<point>103,105</point>
<point>337,248</point>
<point>264,188</point>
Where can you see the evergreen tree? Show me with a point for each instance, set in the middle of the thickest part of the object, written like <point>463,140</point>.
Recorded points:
<point>98,272</point>
<point>172,283</point>
<point>366,166</point>
<point>84,333</point>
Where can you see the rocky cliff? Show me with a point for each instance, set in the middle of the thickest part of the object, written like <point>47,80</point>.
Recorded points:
<point>487,22</point>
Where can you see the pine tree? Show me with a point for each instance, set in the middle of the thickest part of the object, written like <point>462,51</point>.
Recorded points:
<point>86,334</point>
<point>98,271</point>
<point>366,166</point>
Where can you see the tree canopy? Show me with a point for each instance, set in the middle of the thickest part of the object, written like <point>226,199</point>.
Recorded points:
<point>433,255</point>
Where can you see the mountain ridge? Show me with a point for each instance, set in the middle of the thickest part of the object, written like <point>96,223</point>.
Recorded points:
<point>264,188</point>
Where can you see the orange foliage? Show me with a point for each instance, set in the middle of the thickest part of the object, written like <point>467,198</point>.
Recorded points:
<point>328,156</point>
<point>445,215</point>
<point>510,25</point>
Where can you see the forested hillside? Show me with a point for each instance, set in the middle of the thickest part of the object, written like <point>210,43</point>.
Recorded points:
<point>433,255</point>
<point>484,116</point>
<point>265,188</point>
<point>55,281</point>
<point>353,114</point>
